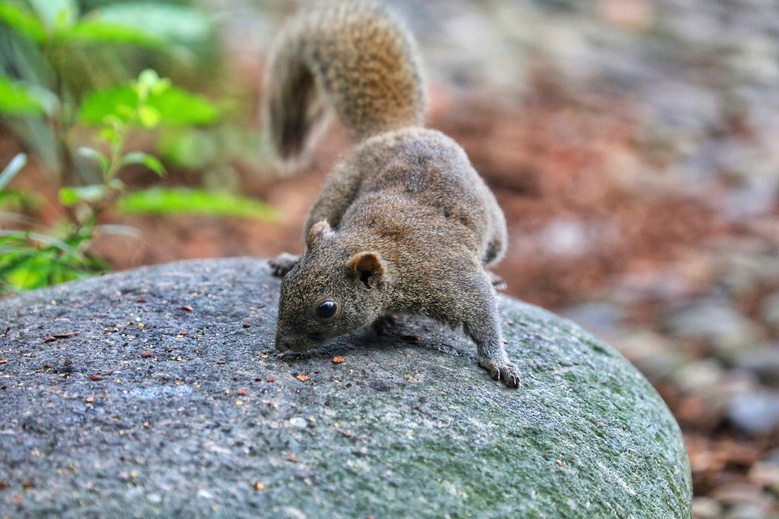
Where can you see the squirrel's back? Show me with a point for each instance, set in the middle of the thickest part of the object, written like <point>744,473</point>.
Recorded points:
<point>352,56</point>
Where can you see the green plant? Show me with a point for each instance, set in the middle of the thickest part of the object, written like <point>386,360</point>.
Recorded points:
<point>119,110</point>
<point>32,259</point>
<point>29,259</point>
<point>151,102</point>
<point>62,252</point>
<point>62,71</point>
<point>55,54</point>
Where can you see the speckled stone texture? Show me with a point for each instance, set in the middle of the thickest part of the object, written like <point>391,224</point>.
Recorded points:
<point>170,400</point>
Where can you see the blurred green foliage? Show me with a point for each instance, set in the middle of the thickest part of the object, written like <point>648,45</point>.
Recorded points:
<point>57,52</point>
<point>66,70</point>
<point>195,201</point>
<point>30,260</point>
<point>61,253</point>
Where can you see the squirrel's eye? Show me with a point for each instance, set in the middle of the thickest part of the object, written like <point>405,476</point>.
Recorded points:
<point>326,309</point>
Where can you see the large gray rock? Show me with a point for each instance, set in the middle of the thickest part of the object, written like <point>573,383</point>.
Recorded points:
<point>169,400</point>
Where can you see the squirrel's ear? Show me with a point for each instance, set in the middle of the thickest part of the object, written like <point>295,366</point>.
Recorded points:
<point>368,268</point>
<point>316,232</point>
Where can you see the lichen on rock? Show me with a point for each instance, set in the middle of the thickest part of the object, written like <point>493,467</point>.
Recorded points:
<point>170,400</point>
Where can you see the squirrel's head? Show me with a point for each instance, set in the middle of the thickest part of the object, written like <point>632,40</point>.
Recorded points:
<point>329,292</point>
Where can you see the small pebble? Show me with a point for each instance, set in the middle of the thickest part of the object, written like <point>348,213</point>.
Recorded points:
<point>756,412</point>
<point>298,422</point>
<point>154,498</point>
<point>766,475</point>
<point>762,360</point>
<point>705,508</point>
<point>750,511</point>
<point>732,494</point>
<point>717,321</point>
<point>770,311</point>
<point>699,375</point>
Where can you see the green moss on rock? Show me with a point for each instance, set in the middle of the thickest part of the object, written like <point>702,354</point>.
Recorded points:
<point>398,430</point>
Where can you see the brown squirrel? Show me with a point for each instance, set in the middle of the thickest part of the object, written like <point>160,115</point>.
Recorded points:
<point>404,224</point>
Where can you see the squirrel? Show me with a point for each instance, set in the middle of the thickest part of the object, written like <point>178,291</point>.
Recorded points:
<point>403,224</point>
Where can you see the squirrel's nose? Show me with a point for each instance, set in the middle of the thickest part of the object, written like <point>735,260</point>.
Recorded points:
<point>294,343</point>
<point>286,342</point>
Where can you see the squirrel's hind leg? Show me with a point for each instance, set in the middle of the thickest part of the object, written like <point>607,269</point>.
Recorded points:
<point>282,264</point>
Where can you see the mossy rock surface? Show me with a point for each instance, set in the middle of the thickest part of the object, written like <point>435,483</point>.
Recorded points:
<point>169,400</point>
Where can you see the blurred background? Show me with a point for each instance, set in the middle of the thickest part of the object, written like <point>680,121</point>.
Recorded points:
<point>633,145</point>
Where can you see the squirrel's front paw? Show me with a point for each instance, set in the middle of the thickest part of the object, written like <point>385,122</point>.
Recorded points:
<point>504,371</point>
<point>282,264</point>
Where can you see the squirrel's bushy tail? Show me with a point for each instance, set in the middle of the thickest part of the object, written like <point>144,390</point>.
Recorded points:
<point>354,57</point>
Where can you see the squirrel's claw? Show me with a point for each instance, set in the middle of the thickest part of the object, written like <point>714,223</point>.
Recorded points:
<point>504,371</point>
<point>498,283</point>
<point>282,264</point>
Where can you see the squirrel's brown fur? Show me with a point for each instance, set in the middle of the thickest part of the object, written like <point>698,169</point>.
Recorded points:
<point>404,224</point>
<point>351,56</point>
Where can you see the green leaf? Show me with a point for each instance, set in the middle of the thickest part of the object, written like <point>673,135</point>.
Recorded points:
<point>91,153</point>
<point>177,106</point>
<point>22,21</point>
<point>176,23</point>
<point>108,102</point>
<point>45,239</point>
<point>56,14</point>
<point>71,196</point>
<point>174,106</point>
<point>109,134</point>
<point>150,161</point>
<point>33,261</point>
<point>195,201</point>
<point>10,171</point>
<point>149,116</point>
<point>149,81</point>
<point>26,240</point>
<point>95,31</point>
<point>16,98</point>
<point>25,272</point>
<point>189,147</point>
<point>15,203</point>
